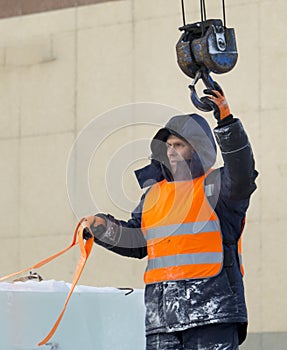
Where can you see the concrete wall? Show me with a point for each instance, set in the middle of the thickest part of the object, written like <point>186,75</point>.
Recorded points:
<point>65,68</point>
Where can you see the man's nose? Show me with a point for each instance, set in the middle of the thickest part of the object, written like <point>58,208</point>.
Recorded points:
<point>171,150</point>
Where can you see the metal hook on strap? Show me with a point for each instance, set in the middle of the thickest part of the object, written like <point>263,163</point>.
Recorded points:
<point>199,103</point>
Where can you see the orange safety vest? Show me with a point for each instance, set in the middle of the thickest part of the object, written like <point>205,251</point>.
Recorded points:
<point>239,248</point>
<point>182,231</point>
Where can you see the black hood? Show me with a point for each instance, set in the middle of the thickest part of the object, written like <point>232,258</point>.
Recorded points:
<point>192,128</point>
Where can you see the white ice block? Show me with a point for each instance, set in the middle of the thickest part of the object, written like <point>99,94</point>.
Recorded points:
<point>96,318</point>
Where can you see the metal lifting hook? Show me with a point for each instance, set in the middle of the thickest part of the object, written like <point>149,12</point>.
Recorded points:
<point>209,83</point>
<point>205,47</point>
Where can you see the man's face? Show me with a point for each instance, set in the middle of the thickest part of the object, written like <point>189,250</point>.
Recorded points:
<point>177,150</point>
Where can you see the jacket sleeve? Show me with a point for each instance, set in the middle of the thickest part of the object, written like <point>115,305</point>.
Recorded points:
<point>238,174</point>
<point>125,237</point>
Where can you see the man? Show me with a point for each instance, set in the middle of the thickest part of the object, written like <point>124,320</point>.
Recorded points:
<point>189,223</point>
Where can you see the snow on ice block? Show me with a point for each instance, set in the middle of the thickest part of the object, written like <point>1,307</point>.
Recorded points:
<point>95,319</point>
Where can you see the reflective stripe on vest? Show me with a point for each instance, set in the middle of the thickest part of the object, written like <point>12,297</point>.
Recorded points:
<point>182,232</point>
<point>189,228</point>
<point>185,259</point>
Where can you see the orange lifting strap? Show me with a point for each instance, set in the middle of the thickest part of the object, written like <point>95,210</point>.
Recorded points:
<point>85,249</point>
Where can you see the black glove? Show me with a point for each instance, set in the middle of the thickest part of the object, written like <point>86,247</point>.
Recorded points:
<point>217,101</point>
<point>95,226</point>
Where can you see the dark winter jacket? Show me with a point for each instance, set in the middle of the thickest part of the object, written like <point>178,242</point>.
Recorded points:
<point>178,305</point>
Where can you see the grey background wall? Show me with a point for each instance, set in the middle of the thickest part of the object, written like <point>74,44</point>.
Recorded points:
<point>67,64</point>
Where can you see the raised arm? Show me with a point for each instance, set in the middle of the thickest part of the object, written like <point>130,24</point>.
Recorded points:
<point>238,174</point>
